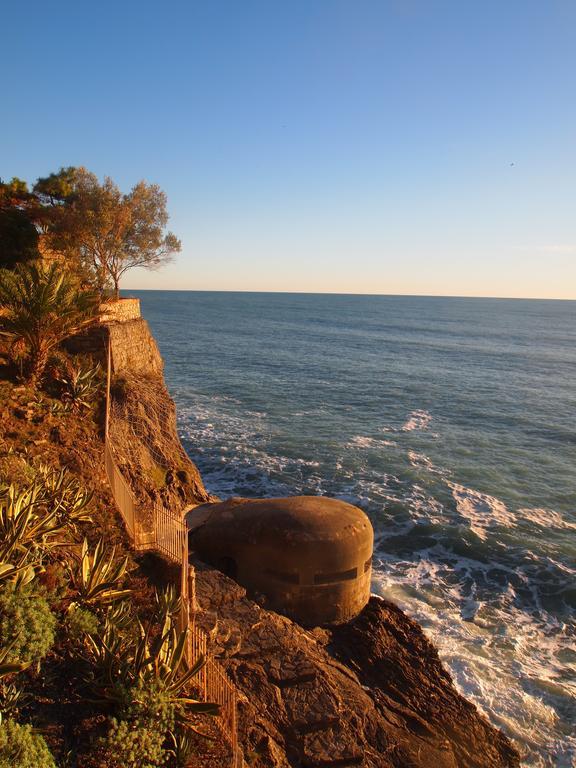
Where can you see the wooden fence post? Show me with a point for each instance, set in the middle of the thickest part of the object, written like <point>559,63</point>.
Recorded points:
<point>108,379</point>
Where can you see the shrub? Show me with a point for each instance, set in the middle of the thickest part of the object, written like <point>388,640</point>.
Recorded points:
<point>81,622</point>
<point>26,622</point>
<point>20,747</point>
<point>133,745</point>
<point>149,702</point>
<point>53,579</point>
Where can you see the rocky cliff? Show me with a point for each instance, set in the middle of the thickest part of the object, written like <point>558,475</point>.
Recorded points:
<point>371,692</point>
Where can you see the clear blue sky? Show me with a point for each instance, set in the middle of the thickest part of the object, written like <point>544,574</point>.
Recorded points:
<point>366,146</point>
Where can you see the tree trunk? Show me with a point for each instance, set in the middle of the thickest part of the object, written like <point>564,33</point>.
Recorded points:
<point>38,361</point>
<point>116,288</point>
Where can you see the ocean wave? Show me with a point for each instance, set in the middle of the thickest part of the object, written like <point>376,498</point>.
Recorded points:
<point>544,518</point>
<point>417,420</point>
<point>362,441</point>
<point>486,609</point>
<point>476,637</point>
<point>481,511</point>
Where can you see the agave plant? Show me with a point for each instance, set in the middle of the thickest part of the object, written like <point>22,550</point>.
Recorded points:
<point>12,699</point>
<point>25,523</point>
<point>18,575</point>
<point>183,746</point>
<point>123,661</point>
<point>42,306</point>
<point>80,386</point>
<point>65,494</point>
<point>167,601</point>
<point>29,526</point>
<point>98,576</point>
<point>37,518</point>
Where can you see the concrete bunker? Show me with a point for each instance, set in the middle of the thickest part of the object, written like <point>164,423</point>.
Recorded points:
<point>310,556</point>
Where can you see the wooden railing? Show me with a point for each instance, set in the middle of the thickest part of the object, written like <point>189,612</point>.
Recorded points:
<point>170,535</point>
<point>213,684</point>
<point>125,500</point>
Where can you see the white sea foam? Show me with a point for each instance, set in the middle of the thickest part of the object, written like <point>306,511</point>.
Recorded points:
<point>417,420</point>
<point>362,441</point>
<point>483,512</point>
<point>421,461</point>
<point>475,639</point>
<point>545,518</point>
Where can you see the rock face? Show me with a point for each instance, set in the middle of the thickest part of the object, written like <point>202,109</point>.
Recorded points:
<point>143,415</point>
<point>371,692</point>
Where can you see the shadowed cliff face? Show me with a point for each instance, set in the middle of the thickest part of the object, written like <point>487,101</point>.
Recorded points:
<point>143,422</point>
<point>371,692</point>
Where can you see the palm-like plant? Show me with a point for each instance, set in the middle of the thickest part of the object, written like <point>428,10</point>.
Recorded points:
<point>42,306</point>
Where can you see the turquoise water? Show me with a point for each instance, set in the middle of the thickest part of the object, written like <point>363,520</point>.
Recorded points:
<point>451,422</point>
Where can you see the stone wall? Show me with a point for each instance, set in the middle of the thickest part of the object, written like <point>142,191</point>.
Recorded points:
<point>133,349</point>
<point>119,311</point>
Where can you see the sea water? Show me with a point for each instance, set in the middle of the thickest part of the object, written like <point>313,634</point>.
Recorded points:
<point>451,422</point>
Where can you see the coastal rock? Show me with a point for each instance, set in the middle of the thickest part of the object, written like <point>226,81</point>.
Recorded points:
<point>371,692</point>
<point>143,429</point>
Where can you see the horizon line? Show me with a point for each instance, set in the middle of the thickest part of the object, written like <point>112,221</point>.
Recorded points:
<point>350,293</point>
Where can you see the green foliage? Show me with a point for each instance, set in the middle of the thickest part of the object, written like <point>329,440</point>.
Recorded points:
<point>36,518</point>
<point>148,702</point>
<point>109,232</point>
<point>43,306</point>
<point>183,746</point>
<point>133,745</point>
<point>81,622</point>
<point>18,233</point>
<point>27,624</point>
<point>81,386</point>
<point>56,188</point>
<point>18,238</point>
<point>147,715</point>
<point>20,747</point>
<point>99,575</point>
<point>124,660</point>
<point>7,665</point>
